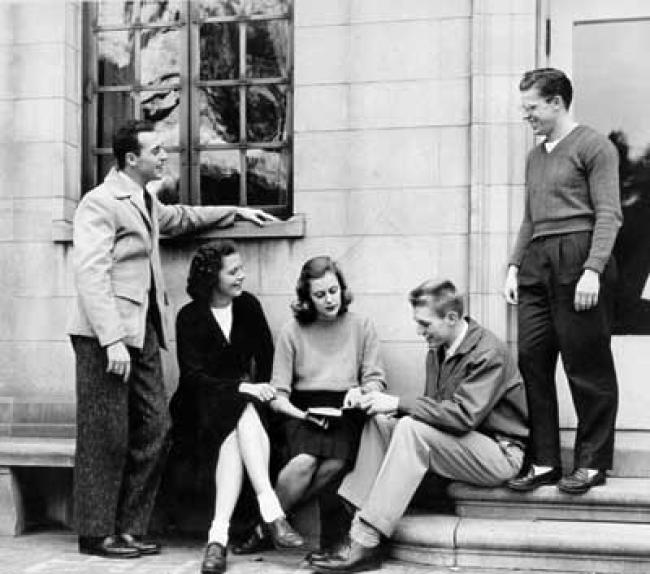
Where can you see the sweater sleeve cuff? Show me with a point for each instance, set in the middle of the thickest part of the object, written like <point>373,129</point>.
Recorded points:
<point>594,265</point>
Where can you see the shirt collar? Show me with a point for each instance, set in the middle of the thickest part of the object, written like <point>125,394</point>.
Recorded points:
<point>458,340</point>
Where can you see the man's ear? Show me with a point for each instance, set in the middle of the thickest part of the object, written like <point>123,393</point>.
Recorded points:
<point>452,317</point>
<point>130,158</point>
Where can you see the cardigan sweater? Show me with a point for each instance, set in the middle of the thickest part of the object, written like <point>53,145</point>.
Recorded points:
<point>328,356</point>
<point>212,367</point>
<point>572,188</point>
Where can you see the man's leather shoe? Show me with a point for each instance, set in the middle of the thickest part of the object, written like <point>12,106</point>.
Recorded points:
<point>214,559</point>
<point>530,481</point>
<point>258,541</point>
<point>107,547</point>
<point>147,547</point>
<point>338,550</point>
<point>357,559</point>
<point>578,482</point>
<point>282,535</point>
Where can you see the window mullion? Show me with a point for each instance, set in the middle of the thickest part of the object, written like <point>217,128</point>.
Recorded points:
<point>242,115</point>
<point>135,92</point>
<point>185,106</point>
<point>194,68</point>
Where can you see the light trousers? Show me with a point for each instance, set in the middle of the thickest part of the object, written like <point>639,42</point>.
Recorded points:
<point>395,454</point>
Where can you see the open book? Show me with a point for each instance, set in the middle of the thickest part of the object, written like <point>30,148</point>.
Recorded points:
<point>324,411</point>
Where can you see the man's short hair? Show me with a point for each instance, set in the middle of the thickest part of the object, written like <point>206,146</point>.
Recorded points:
<point>549,82</point>
<point>125,139</point>
<point>440,295</point>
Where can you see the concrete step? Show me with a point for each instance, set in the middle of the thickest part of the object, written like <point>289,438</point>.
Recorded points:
<point>631,453</point>
<point>620,500</point>
<point>523,545</point>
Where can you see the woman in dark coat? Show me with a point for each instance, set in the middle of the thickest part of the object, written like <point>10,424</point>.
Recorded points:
<point>224,352</point>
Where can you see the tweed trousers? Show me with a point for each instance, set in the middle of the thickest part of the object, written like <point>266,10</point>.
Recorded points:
<point>121,438</point>
<point>395,454</point>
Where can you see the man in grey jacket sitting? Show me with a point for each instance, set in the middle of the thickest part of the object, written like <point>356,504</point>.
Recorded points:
<point>469,425</point>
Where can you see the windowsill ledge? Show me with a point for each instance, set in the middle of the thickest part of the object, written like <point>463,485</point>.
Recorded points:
<point>292,228</point>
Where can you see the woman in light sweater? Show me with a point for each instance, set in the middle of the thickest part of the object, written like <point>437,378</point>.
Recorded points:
<point>325,357</point>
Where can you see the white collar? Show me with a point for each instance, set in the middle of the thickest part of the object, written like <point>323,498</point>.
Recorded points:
<point>458,340</point>
<point>550,145</point>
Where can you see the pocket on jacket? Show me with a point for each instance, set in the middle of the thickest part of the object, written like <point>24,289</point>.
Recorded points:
<point>133,293</point>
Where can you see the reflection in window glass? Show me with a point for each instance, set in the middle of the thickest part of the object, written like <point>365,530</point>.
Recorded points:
<point>220,172</point>
<point>219,115</point>
<point>219,45</point>
<point>619,108</point>
<point>113,109</point>
<point>220,8</point>
<point>269,7</point>
<point>266,177</point>
<point>219,62</point>
<point>115,52</point>
<point>266,113</point>
<point>115,12</point>
<point>266,50</point>
<point>160,12</point>
<point>159,57</point>
<point>161,108</point>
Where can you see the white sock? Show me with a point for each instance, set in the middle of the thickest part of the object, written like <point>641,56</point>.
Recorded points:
<point>537,469</point>
<point>219,531</point>
<point>270,508</point>
<point>364,534</point>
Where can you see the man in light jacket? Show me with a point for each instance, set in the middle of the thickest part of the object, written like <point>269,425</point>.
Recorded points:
<point>469,425</point>
<point>119,324</point>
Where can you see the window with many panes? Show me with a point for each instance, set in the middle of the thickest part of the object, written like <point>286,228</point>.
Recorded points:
<point>214,76</point>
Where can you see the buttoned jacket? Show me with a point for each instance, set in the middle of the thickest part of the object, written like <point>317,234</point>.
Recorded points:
<point>116,255</point>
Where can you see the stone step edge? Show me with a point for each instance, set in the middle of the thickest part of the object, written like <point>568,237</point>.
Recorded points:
<point>556,546</point>
<point>620,493</point>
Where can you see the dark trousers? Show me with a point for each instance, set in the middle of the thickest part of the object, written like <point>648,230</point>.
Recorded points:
<point>121,438</point>
<point>548,326</point>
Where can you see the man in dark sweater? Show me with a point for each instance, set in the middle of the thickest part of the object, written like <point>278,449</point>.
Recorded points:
<point>561,276</point>
<point>470,425</point>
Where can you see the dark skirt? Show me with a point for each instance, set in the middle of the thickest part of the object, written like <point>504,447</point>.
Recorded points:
<point>340,440</point>
<point>202,420</point>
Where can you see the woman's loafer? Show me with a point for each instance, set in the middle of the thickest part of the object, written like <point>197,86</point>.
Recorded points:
<point>214,559</point>
<point>283,535</point>
<point>258,541</point>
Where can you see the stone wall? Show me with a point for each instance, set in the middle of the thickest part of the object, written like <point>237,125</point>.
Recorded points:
<point>407,166</point>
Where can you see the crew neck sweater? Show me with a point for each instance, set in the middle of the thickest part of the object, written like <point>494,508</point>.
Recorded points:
<point>573,188</point>
<point>328,356</point>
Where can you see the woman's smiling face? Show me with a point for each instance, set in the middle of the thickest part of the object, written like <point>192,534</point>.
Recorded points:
<point>231,276</point>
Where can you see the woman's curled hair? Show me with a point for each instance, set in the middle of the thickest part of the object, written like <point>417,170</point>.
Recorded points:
<point>303,308</point>
<point>205,267</point>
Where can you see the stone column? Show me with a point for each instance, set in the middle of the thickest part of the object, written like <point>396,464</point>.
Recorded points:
<point>504,40</point>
